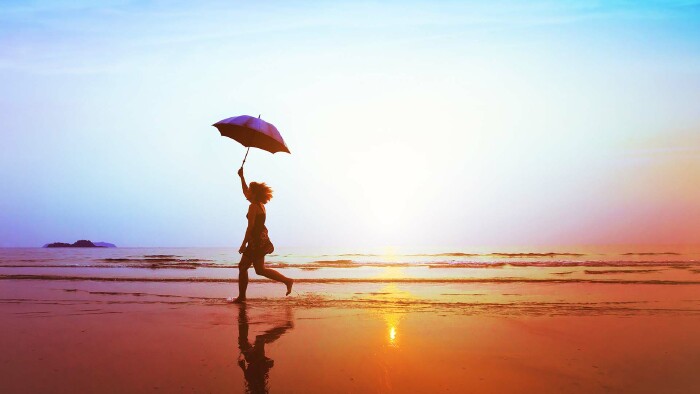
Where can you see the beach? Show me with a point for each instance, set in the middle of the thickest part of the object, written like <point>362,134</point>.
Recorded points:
<point>157,320</point>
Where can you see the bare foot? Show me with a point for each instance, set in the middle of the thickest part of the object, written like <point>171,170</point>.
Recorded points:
<point>289,286</point>
<point>238,300</point>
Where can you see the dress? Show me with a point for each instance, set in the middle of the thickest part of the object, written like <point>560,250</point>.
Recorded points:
<point>259,243</point>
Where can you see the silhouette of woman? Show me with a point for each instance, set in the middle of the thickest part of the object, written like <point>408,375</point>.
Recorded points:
<point>256,243</point>
<point>252,359</point>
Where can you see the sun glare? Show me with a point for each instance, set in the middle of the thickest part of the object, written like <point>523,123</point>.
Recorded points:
<point>392,319</point>
<point>392,323</point>
<point>390,186</point>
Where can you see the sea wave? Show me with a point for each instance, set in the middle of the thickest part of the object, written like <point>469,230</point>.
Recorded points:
<point>480,264</point>
<point>114,299</point>
<point>652,254</point>
<point>176,262</point>
<point>348,280</point>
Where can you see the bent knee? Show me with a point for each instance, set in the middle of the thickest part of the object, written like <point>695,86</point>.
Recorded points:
<point>244,265</point>
<point>260,270</point>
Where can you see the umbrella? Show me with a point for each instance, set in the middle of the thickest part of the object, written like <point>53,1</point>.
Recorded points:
<point>252,132</point>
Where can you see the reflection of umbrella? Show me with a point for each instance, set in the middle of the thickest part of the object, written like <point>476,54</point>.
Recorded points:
<point>252,132</point>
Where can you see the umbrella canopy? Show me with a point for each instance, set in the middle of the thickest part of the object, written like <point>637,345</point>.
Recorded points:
<point>253,133</point>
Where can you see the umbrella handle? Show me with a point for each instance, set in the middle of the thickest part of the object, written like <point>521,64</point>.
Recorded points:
<point>246,156</point>
<point>246,152</point>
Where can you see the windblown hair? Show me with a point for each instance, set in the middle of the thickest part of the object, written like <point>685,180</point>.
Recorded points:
<point>259,192</point>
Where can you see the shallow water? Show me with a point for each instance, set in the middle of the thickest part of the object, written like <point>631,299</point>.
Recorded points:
<point>217,264</point>
<point>545,283</point>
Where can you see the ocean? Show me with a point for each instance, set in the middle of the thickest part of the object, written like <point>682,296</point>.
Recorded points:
<point>458,281</point>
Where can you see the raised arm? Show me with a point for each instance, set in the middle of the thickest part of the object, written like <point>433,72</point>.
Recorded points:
<point>243,184</point>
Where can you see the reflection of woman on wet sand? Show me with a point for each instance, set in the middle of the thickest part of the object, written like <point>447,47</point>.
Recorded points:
<point>252,360</point>
<point>256,243</point>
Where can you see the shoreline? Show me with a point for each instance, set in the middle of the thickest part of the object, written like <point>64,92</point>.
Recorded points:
<point>349,280</point>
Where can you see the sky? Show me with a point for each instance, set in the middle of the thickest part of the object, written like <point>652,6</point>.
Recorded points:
<point>413,125</point>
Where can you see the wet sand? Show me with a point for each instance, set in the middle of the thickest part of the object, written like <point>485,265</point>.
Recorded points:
<point>98,336</point>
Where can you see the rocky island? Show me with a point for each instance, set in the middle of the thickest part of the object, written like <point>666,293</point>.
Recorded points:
<point>83,243</point>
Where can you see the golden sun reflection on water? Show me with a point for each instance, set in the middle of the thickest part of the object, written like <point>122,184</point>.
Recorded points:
<point>392,318</point>
<point>392,322</point>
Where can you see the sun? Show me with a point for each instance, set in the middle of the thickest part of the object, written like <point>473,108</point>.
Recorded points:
<point>390,188</point>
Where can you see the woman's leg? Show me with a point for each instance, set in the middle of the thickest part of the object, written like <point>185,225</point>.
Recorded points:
<point>242,278</point>
<point>260,269</point>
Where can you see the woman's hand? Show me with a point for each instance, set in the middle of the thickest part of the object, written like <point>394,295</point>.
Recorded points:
<point>242,249</point>
<point>240,172</point>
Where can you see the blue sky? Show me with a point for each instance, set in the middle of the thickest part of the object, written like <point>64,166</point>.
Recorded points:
<point>411,124</point>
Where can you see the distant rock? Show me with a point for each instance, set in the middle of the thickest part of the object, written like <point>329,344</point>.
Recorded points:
<point>59,245</point>
<point>105,244</point>
<point>83,243</point>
